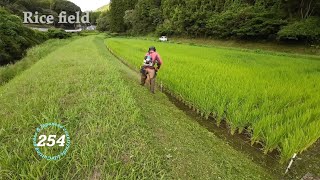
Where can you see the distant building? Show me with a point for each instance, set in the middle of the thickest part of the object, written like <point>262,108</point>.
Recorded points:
<point>91,28</point>
<point>40,29</point>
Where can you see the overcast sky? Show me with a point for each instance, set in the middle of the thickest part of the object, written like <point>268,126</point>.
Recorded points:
<point>90,5</point>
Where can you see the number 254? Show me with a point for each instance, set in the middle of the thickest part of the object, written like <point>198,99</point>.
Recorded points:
<point>51,140</point>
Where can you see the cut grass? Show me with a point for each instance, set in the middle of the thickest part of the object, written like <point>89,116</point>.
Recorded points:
<point>275,96</point>
<point>79,88</point>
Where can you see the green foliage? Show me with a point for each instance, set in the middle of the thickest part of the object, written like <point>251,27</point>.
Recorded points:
<point>43,7</point>
<point>137,17</point>
<point>243,19</point>
<point>117,13</point>
<point>246,22</point>
<point>146,17</point>
<point>69,7</point>
<point>104,21</point>
<point>58,33</point>
<point>306,29</point>
<point>15,38</point>
<point>94,16</point>
<point>18,6</point>
<point>165,28</point>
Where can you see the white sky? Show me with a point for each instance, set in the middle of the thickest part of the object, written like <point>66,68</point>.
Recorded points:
<point>90,5</point>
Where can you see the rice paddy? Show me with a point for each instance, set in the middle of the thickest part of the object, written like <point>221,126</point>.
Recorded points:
<point>273,96</point>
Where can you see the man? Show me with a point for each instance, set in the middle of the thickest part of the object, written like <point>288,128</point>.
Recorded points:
<point>148,69</point>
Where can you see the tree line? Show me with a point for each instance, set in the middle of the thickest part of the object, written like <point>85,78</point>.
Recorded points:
<point>15,38</point>
<point>43,7</point>
<point>295,20</point>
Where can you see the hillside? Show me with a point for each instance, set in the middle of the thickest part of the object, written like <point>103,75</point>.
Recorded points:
<point>251,20</point>
<point>104,8</point>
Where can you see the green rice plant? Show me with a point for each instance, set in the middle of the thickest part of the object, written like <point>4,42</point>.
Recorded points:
<point>274,95</point>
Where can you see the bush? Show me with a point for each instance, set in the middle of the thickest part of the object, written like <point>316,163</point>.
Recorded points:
<point>103,22</point>
<point>15,38</point>
<point>164,29</point>
<point>55,33</point>
<point>303,30</point>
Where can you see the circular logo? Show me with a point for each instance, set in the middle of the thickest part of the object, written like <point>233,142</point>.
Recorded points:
<point>54,141</point>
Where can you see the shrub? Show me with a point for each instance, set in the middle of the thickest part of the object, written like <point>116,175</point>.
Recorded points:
<point>164,29</point>
<point>15,38</point>
<point>303,30</point>
<point>103,22</point>
<point>55,33</point>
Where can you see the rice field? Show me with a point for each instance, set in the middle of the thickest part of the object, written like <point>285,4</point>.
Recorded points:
<point>83,87</point>
<point>274,97</point>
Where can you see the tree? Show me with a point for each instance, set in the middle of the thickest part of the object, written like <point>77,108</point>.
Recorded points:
<point>15,37</point>
<point>244,19</point>
<point>104,21</point>
<point>69,7</point>
<point>117,10</point>
<point>94,17</point>
<point>146,16</point>
<point>128,18</point>
<point>117,13</point>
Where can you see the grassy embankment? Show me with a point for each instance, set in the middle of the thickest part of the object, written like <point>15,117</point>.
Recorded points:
<point>34,54</point>
<point>274,96</point>
<point>114,132</point>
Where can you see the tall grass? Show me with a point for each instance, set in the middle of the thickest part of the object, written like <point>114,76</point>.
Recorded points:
<point>275,96</point>
<point>78,87</point>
